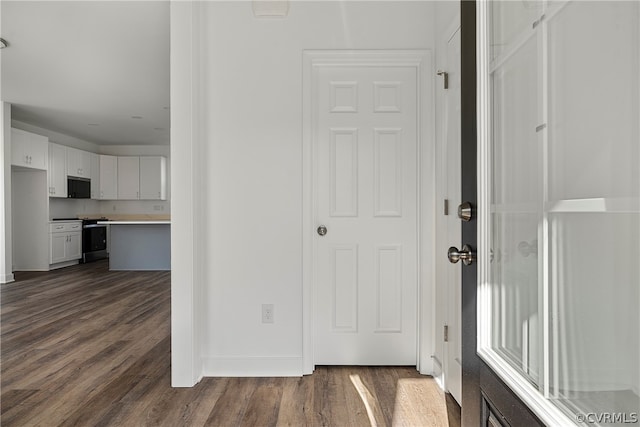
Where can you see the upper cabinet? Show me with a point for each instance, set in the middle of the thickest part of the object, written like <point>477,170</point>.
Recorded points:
<point>57,173</point>
<point>153,178</point>
<point>128,178</point>
<point>133,178</point>
<point>78,163</point>
<point>29,150</point>
<point>95,176</point>
<point>108,178</point>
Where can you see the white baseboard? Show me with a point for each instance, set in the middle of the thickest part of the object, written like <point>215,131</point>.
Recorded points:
<point>7,278</point>
<point>252,366</point>
<point>63,264</point>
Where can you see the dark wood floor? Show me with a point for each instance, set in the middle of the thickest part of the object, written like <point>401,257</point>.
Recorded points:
<point>88,347</point>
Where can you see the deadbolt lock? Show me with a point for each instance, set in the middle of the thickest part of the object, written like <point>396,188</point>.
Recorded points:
<point>465,211</point>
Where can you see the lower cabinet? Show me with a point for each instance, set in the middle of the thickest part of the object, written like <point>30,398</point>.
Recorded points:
<point>65,242</point>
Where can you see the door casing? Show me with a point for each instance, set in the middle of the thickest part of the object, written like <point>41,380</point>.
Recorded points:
<point>421,60</point>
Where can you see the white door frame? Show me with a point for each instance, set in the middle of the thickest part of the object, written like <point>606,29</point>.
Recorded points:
<point>421,60</point>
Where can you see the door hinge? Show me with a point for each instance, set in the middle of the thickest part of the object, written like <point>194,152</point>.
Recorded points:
<point>446,206</point>
<point>446,333</point>
<point>446,78</point>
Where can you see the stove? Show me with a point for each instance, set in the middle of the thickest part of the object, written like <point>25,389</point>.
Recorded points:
<point>94,240</point>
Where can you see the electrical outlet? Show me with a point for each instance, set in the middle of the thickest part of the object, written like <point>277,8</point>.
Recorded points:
<point>157,207</point>
<point>267,313</point>
<point>114,208</point>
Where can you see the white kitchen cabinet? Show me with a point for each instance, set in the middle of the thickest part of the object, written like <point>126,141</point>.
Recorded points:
<point>58,247</point>
<point>128,178</point>
<point>78,163</point>
<point>57,172</point>
<point>29,150</point>
<point>153,178</point>
<point>108,178</point>
<point>65,241</point>
<point>95,176</point>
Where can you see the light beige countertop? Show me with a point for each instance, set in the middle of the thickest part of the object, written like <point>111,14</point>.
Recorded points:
<point>127,217</point>
<point>129,222</point>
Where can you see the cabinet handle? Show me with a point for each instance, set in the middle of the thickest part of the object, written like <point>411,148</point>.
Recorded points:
<point>60,227</point>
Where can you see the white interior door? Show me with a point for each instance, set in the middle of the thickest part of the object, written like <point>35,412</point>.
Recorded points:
<point>452,348</point>
<point>365,275</point>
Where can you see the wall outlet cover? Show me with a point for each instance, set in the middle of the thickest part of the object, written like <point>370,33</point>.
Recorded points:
<point>267,313</point>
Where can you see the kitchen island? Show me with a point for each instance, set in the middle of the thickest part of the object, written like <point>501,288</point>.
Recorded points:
<point>139,244</point>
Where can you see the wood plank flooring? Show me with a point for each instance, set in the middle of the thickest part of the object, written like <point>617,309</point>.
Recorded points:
<point>83,346</point>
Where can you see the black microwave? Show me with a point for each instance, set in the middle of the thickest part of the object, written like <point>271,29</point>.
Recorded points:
<point>78,188</point>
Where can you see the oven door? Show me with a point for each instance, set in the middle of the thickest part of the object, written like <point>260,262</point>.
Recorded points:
<point>94,242</point>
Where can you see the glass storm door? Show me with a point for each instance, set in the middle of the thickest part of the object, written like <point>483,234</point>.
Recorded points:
<point>558,206</point>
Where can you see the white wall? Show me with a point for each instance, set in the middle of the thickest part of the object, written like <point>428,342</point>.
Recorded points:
<point>6,251</point>
<point>188,226</point>
<point>58,138</point>
<point>447,18</point>
<point>252,85</point>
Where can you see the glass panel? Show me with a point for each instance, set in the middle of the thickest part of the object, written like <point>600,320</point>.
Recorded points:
<point>516,329</point>
<point>564,207</point>
<point>511,19</point>
<point>593,251</point>
<point>593,101</point>
<point>594,298</point>
<point>516,211</point>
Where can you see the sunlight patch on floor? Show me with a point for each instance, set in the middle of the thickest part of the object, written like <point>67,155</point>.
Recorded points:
<point>369,400</point>
<point>419,402</point>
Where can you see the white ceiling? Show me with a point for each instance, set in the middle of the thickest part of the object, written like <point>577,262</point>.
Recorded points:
<point>85,68</point>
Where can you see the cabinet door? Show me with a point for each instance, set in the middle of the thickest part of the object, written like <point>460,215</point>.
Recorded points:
<point>95,176</point>
<point>85,164</point>
<point>29,150</point>
<point>18,142</point>
<point>58,247</point>
<point>57,170</point>
<point>108,174</point>
<point>74,246</point>
<point>78,163</point>
<point>73,161</point>
<point>37,151</point>
<point>153,178</point>
<point>128,178</point>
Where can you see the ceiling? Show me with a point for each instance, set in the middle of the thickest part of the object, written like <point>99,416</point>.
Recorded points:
<point>94,70</point>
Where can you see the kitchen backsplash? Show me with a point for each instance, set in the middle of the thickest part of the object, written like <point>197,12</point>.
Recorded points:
<point>69,208</point>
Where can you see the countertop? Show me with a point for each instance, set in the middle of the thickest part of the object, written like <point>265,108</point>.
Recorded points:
<point>127,217</point>
<point>144,222</point>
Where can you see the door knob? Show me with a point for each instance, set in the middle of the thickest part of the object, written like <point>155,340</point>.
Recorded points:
<point>466,255</point>
<point>322,230</point>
